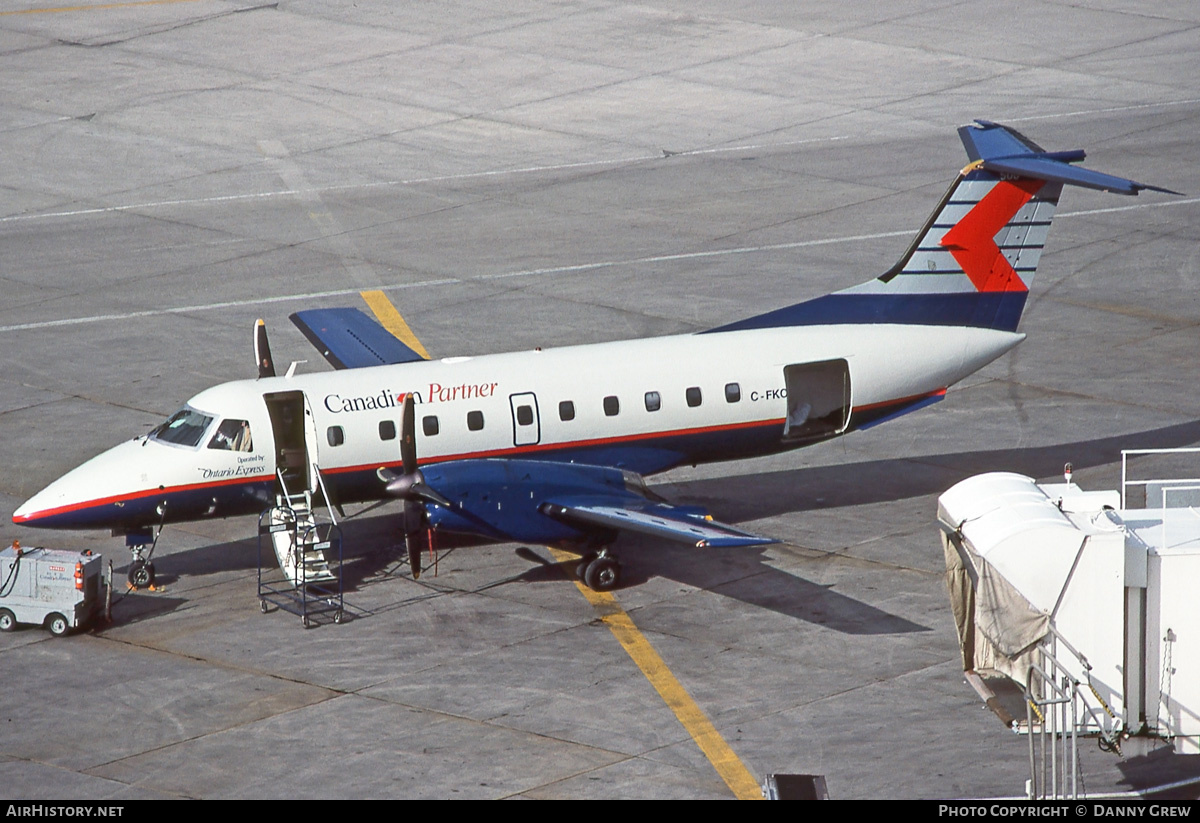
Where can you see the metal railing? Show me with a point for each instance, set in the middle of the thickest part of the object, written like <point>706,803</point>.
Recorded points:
<point>1174,482</point>
<point>1056,698</point>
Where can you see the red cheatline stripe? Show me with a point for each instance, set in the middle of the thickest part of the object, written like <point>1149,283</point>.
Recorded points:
<point>901,401</point>
<point>541,447</point>
<point>120,498</point>
<point>578,444</point>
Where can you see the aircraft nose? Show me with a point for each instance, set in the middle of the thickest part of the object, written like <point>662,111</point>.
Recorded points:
<point>53,505</point>
<point>89,496</point>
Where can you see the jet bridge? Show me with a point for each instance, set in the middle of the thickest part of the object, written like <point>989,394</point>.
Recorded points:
<point>1087,605</point>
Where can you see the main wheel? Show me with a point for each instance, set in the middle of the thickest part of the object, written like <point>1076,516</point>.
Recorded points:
<point>8,621</point>
<point>57,625</point>
<point>584,562</point>
<point>603,574</point>
<point>141,574</point>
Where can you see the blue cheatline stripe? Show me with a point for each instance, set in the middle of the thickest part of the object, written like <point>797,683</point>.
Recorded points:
<point>988,310</point>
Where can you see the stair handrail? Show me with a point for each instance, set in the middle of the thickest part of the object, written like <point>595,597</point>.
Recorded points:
<point>324,493</point>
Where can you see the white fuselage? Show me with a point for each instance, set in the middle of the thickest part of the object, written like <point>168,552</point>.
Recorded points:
<point>679,399</point>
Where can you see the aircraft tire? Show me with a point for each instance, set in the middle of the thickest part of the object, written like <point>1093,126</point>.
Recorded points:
<point>584,562</point>
<point>141,574</point>
<point>603,574</point>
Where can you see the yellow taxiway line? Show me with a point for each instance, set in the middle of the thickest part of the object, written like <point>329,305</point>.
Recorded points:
<point>728,765</point>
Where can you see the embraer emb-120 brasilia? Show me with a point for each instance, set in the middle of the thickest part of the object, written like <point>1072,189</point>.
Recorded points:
<point>550,447</point>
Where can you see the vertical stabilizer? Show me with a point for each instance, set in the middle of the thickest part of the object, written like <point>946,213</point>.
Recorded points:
<point>973,262</point>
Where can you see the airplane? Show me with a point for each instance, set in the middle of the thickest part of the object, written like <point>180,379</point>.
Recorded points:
<point>552,446</point>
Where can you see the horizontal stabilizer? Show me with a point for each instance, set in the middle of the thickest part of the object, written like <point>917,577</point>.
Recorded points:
<point>648,517</point>
<point>349,339</point>
<point>1005,151</point>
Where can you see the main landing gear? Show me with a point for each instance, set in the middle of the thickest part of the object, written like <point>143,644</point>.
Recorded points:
<point>599,570</point>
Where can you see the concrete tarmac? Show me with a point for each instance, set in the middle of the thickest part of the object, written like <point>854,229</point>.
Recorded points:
<point>555,173</point>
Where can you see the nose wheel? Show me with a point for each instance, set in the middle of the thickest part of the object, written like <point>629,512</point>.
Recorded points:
<point>141,574</point>
<point>141,544</point>
<point>141,570</point>
<point>601,572</point>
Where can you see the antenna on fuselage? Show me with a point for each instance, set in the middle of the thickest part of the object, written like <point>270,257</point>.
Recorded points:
<point>262,350</point>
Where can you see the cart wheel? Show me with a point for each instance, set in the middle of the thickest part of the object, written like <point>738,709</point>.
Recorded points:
<point>337,616</point>
<point>57,625</point>
<point>7,621</point>
<point>262,606</point>
<point>304,621</point>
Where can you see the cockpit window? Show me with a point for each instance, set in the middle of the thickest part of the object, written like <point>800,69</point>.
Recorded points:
<point>232,435</point>
<point>184,428</point>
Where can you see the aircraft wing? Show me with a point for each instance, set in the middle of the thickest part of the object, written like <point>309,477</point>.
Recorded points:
<point>545,502</point>
<point>659,519</point>
<point>349,339</point>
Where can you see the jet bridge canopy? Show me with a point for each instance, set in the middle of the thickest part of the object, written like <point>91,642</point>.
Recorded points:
<point>1036,568</point>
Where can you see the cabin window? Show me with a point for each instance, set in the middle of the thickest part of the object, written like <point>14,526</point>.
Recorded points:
<point>566,410</point>
<point>429,425</point>
<point>653,401</point>
<point>693,396</point>
<point>612,406</point>
<point>524,415</point>
<point>387,430</point>
<point>733,392</point>
<point>184,428</point>
<point>232,435</point>
<point>335,435</point>
<point>475,420</point>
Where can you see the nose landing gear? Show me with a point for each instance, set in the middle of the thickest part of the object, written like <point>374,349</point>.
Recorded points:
<point>141,570</point>
<point>141,544</point>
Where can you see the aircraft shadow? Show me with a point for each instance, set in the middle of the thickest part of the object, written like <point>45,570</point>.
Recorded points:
<point>757,496</point>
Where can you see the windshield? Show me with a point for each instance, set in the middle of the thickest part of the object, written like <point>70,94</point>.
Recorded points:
<point>185,427</point>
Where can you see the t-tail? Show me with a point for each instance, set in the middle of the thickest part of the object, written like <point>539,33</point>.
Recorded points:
<point>974,261</point>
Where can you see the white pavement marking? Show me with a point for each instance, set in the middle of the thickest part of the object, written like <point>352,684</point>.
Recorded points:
<point>552,270</point>
<point>299,190</point>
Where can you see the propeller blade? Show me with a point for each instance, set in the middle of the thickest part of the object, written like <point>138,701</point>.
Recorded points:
<point>408,436</point>
<point>262,350</point>
<point>428,494</point>
<point>413,512</point>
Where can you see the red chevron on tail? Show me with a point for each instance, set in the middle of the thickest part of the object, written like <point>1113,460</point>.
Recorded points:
<point>972,240</point>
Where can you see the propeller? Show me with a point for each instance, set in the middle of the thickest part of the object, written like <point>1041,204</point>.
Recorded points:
<point>410,486</point>
<point>262,350</point>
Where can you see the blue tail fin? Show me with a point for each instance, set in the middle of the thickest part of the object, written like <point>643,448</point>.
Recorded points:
<point>973,262</point>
